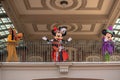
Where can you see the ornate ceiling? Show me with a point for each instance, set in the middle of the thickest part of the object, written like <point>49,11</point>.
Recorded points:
<point>84,19</point>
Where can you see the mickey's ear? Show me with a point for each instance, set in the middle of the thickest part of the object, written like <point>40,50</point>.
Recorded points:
<point>53,32</point>
<point>104,31</point>
<point>113,33</point>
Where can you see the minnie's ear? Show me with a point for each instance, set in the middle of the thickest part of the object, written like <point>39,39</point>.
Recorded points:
<point>53,32</point>
<point>63,30</point>
<point>104,31</point>
<point>64,34</point>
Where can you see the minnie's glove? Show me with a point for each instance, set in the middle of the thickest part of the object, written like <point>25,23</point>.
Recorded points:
<point>69,39</point>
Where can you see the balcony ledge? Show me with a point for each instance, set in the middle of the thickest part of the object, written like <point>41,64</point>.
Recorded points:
<point>43,70</point>
<point>72,65</point>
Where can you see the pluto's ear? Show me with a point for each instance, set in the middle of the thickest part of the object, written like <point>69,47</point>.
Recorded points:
<point>104,31</point>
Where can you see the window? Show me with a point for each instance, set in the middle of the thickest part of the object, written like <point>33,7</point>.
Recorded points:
<point>116,38</point>
<point>5,24</point>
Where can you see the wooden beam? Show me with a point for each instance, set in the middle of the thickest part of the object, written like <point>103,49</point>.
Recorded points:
<point>63,18</point>
<point>74,37</point>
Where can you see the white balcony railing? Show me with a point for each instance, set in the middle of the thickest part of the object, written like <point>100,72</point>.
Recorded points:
<point>79,51</point>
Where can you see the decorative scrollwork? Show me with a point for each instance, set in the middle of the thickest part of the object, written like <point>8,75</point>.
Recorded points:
<point>64,4</point>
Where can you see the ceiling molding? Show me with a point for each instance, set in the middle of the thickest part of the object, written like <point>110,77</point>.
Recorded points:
<point>43,3</point>
<point>39,16</point>
<point>99,6</point>
<point>84,19</point>
<point>71,27</point>
<point>38,29</point>
<point>83,7</point>
<point>54,4</point>
<point>74,4</point>
<point>91,28</point>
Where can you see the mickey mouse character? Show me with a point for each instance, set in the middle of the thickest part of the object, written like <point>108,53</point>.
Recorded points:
<point>108,44</point>
<point>58,53</point>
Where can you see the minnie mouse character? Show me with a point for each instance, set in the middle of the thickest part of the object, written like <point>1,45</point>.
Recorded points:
<point>108,44</point>
<point>58,53</point>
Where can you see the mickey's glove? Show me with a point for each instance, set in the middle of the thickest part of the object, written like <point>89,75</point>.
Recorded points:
<point>106,39</point>
<point>44,38</point>
<point>69,39</point>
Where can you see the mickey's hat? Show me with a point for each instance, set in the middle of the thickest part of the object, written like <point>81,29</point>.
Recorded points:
<point>109,30</point>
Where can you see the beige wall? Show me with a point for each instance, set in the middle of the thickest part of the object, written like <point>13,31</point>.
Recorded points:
<point>29,71</point>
